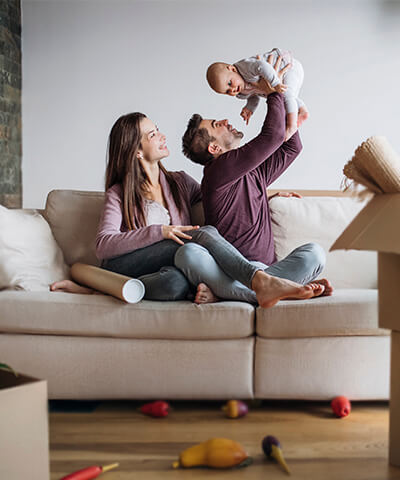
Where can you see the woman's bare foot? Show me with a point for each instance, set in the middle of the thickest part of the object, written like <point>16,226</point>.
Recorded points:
<point>204,295</point>
<point>302,116</point>
<point>70,287</point>
<point>269,290</point>
<point>328,286</point>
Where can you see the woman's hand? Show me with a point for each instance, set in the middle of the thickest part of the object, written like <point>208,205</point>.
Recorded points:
<point>176,232</point>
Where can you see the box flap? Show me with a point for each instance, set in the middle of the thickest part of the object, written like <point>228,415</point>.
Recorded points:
<point>376,227</point>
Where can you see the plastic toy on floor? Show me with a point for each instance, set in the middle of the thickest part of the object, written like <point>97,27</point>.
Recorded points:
<point>235,409</point>
<point>156,409</point>
<point>214,453</point>
<point>90,472</point>
<point>272,449</point>
<point>341,406</point>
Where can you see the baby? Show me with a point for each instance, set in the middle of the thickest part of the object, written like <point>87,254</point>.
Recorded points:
<point>240,80</point>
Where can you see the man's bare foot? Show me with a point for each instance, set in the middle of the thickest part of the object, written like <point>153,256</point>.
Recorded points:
<point>302,116</point>
<point>70,287</point>
<point>204,295</point>
<point>269,290</point>
<point>328,286</point>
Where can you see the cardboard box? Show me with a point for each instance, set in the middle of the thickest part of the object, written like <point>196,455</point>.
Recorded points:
<point>24,436</point>
<point>377,227</point>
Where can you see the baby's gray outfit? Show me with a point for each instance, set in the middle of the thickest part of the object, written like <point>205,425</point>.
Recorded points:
<point>253,68</point>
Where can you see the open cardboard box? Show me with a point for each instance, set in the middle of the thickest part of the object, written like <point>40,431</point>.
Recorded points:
<point>24,436</point>
<point>377,227</point>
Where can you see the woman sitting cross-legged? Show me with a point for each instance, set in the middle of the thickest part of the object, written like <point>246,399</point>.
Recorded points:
<point>145,232</point>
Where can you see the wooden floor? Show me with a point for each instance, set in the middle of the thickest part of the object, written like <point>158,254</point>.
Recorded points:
<point>315,444</point>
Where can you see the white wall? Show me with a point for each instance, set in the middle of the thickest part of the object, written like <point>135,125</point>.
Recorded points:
<point>87,62</point>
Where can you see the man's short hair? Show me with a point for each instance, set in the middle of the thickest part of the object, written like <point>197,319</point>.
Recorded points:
<point>195,141</point>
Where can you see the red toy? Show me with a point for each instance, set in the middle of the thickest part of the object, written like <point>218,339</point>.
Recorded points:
<point>341,406</point>
<point>89,473</point>
<point>156,409</point>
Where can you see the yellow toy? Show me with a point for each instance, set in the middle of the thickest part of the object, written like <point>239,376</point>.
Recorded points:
<point>214,453</point>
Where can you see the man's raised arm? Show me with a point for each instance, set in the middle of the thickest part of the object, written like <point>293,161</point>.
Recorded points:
<point>238,162</point>
<point>283,158</point>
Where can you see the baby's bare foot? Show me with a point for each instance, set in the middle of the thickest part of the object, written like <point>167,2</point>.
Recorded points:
<point>302,116</point>
<point>328,290</point>
<point>269,290</point>
<point>204,295</point>
<point>70,287</point>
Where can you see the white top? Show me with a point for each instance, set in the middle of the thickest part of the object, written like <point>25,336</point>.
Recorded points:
<point>156,213</point>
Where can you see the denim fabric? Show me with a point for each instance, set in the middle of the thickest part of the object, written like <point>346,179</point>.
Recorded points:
<point>302,265</point>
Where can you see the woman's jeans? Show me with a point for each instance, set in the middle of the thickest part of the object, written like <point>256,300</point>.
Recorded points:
<point>207,258</point>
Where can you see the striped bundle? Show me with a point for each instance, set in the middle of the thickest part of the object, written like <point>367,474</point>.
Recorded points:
<point>375,165</point>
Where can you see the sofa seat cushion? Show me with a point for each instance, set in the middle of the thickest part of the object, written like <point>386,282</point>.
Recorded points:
<point>58,313</point>
<point>346,312</point>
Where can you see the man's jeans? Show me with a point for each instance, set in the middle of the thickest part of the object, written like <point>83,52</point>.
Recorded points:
<point>302,265</point>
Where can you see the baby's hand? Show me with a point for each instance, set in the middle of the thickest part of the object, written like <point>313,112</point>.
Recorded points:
<point>246,114</point>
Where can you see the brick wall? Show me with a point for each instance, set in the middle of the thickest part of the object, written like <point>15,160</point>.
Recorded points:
<point>10,103</point>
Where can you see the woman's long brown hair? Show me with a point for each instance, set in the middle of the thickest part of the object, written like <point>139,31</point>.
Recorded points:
<point>124,167</point>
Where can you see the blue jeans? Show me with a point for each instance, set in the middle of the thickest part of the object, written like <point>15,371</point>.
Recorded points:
<point>155,265</point>
<point>302,265</point>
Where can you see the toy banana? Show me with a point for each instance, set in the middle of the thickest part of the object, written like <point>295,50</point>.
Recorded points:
<point>214,453</point>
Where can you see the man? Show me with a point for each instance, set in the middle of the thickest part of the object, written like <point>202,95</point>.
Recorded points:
<point>235,182</point>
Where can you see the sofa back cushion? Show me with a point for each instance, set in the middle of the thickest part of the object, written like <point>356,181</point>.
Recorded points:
<point>73,216</point>
<point>322,219</point>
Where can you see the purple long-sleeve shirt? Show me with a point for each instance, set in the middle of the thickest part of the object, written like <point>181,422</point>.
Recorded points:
<point>234,185</point>
<point>114,239</point>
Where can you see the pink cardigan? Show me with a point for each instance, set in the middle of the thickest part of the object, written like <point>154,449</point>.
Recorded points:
<point>114,239</point>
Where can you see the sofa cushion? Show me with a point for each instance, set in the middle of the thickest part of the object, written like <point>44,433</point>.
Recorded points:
<point>73,216</point>
<point>346,312</point>
<point>323,368</point>
<point>322,219</point>
<point>30,258</point>
<point>61,313</point>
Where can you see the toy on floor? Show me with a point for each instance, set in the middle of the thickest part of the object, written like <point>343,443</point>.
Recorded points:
<point>272,449</point>
<point>90,472</point>
<point>214,453</point>
<point>235,409</point>
<point>341,406</point>
<point>156,409</point>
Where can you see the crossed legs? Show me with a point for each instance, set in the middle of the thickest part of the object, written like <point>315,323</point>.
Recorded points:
<point>289,278</point>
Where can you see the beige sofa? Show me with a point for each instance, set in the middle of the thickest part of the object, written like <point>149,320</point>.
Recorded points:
<point>96,347</point>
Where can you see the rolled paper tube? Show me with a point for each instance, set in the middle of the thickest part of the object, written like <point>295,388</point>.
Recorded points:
<point>130,290</point>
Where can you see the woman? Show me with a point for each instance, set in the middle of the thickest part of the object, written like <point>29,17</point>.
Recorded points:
<point>146,221</point>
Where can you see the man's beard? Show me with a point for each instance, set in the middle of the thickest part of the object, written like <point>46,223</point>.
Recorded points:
<point>230,142</point>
